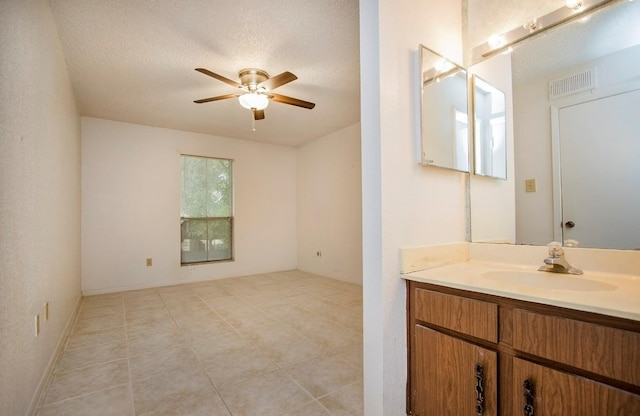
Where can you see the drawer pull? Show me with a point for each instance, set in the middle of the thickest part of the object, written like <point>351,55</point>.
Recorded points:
<point>528,397</point>
<point>479,390</point>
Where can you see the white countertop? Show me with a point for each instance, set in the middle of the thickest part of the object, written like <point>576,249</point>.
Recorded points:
<point>608,294</point>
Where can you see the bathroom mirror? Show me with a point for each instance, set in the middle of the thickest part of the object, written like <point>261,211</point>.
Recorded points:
<point>489,130</point>
<point>604,45</point>
<point>444,124</point>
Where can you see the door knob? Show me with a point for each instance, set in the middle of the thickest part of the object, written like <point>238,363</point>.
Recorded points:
<point>570,224</point>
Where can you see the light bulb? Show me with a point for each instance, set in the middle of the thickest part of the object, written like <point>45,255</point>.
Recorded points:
<point>573,4</point>
<point>495,41</point>
<point>441,65</point>
<point>254,100</point>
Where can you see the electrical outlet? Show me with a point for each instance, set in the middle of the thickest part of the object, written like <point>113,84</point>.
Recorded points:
<point>530,185</point>
<point>46,311</point>
<point>149,262</point>
<point>37,325</point>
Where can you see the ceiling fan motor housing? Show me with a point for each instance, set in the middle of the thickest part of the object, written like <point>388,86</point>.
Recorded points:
<point>251,77</point>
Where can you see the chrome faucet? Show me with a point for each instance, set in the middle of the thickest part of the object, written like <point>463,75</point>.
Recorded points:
<point>556,263</point>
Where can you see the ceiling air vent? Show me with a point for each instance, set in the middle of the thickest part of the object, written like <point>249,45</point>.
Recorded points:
<point>572,84</point>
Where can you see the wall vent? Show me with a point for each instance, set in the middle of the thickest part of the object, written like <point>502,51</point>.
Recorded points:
<point>572,84</point>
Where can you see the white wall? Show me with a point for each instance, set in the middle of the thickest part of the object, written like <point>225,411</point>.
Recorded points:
<point>330,206</point>
<point>534,211</point>
<point>404,204</point>
<point>493,201</point>
<point>39,199</point>
<point>131,211</point>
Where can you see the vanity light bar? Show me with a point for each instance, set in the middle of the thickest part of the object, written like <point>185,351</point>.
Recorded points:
<point>434,76</point>
<point>536,26</point>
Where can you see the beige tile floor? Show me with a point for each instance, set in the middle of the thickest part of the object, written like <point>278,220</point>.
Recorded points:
<point>286,343</point>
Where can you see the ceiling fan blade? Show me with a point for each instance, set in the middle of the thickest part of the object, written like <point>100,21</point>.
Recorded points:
<point>277,81</point>
<point>219,77</point>
<point>292,101</point>
<point>219,97</point>
<point>258,114</point>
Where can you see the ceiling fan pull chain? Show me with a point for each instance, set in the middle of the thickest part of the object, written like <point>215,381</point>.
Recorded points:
<point>253,120</point>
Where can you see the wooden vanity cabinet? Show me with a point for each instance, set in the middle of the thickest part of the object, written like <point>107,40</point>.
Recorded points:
<point>450,374</point>
<point>557,361</point>
<point>582,362</point>
<point>559,393</point>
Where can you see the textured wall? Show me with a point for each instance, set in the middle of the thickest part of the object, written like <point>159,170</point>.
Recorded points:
<point>39,198</point>
<point>131,205</point>
<point>404,204</point>
<point>330,206</point>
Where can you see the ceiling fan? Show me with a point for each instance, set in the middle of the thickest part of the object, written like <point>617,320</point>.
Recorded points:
<point>256,90</point>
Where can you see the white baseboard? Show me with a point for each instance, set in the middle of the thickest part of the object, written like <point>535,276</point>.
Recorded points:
<point>38,397</point>
<point>118,289</point>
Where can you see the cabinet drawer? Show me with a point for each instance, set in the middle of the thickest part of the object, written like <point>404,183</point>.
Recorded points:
<point>468,316</point>
<point>610,352</point>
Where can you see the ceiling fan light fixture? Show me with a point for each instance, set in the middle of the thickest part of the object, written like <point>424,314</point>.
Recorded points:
<point>254,100</point>
<point>256,87</point>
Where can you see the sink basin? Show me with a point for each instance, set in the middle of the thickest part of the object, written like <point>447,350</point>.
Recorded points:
<point>546,280</point>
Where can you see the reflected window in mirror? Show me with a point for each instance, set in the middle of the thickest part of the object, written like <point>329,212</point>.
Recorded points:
<point>444,122</point>
<point>490,132</point>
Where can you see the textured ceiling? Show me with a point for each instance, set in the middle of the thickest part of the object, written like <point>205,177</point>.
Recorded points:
<point>607,31</point>
<point>134,60</point>
<point>488,17</point>
<point>612,28</point>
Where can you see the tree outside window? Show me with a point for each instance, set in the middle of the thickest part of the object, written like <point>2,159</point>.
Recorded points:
<point>206,209</point>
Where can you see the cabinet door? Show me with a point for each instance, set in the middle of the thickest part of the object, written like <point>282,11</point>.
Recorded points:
<point>557,393</point>
<point>445,376</point>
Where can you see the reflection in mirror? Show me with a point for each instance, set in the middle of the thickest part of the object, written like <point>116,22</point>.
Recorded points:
<point>492,202</point>
<point>444,121</point>
<point>599,207</point>
<point>607,41</point>
<point>490,132</point>
<point>529,19</point>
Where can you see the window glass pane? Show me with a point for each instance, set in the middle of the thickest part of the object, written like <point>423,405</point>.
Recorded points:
<point>219,188</point>
<point>194,240</point>
<point>220,239</point>
<point>194,187</point>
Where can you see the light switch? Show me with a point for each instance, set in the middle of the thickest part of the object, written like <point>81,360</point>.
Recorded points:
<point>530,185</point>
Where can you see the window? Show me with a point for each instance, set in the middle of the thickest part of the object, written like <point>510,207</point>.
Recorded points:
<point>206,209</point>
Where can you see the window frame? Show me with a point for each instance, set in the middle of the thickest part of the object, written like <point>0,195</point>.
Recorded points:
<point>208,219</point>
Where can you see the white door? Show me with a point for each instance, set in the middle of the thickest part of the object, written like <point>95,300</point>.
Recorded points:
<point>600,171</point>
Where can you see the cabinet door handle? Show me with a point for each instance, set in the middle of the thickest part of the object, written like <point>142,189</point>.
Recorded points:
<point>528,397</point>
<point>479,390</point>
